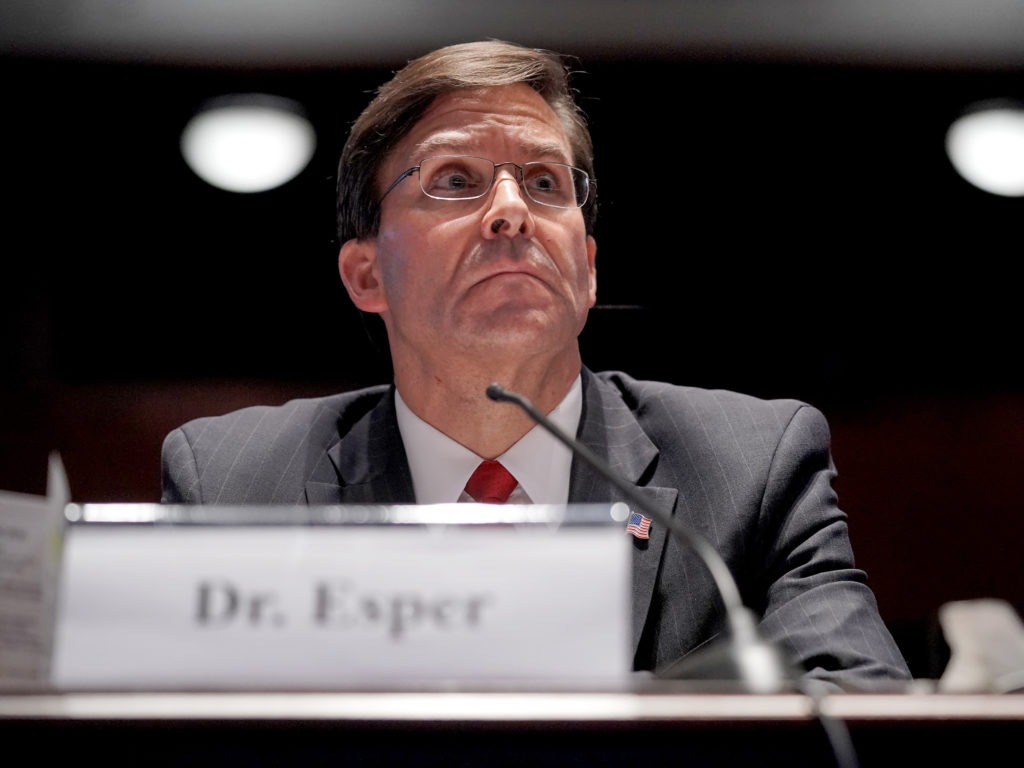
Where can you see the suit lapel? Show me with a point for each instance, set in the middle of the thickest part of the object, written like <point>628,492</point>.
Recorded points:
<point>367,463</point>
<point>609,428</point>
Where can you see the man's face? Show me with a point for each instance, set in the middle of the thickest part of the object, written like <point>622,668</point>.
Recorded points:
<point>499,272</point>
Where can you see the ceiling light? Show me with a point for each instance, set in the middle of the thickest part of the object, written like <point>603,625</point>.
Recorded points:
<point>986,146</point>
<point>248,142</point>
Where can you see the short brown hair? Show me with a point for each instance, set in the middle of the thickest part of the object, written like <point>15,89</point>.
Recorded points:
<point>400,103</point>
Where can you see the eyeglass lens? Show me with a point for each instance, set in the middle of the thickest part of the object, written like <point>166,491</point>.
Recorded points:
<point>464,177</point>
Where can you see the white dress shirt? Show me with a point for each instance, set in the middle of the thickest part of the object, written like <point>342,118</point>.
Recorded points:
<point>440,466</point>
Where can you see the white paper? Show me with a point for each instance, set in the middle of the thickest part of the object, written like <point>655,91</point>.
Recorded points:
<point>986,642</point>
<point>287,607</point>
<point>30,551</point>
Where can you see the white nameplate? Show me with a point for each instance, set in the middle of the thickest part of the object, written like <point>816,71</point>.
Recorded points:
<point>299,607</point>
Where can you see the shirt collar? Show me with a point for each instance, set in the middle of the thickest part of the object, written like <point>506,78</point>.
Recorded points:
<point>541,463</point>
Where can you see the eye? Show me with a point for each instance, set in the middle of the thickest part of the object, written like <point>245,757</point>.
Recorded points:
<point>548,181</point>
<point>452,177</point>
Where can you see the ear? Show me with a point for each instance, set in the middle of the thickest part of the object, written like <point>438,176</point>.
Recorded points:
<point>592,267</point>
<point>357,265</point>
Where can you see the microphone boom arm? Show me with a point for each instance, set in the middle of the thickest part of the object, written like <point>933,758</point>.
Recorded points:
<point>764,670</point>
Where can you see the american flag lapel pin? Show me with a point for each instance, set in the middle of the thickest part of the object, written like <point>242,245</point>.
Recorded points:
<point>639,526</point>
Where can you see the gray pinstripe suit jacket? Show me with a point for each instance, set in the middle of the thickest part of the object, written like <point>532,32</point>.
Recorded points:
<point>753,476</point>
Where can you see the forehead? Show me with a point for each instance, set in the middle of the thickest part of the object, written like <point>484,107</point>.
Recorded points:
<point>514,115</point>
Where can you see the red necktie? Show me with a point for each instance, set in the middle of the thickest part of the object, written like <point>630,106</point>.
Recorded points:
<point>490,483</point>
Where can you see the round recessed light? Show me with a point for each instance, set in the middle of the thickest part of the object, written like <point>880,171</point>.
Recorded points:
<point>986,146</point>
<point>248,142</point>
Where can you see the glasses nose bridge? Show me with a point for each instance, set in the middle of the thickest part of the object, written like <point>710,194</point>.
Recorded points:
<point>517,176</point>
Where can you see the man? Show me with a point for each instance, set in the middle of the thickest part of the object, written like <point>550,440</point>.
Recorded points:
<point>466,212</point>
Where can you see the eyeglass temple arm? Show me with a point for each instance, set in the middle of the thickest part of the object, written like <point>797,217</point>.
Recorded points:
<point>402,176</point>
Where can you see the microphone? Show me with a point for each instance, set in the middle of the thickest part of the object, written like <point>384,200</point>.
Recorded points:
<point>743,657</point>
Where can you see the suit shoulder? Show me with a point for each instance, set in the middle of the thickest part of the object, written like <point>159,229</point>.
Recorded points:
<point>261,453</point>
<point>299,414</point>
<point>657,401</point>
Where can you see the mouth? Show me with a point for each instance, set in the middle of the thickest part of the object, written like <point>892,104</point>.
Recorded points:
<point>513,273</point>
<point>520,263</point>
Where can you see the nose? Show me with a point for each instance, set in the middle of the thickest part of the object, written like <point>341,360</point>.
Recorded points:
<point>507,213</point>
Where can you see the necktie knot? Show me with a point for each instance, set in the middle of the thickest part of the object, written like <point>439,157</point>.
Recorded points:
<point>491,483</point>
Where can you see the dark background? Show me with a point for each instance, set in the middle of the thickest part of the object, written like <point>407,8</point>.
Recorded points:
<point>781,225</point>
